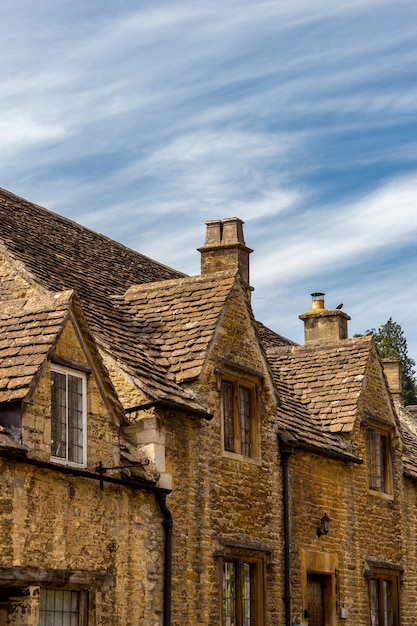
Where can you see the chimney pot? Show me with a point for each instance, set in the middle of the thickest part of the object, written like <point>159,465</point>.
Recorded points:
<point>213,232</point>
<point>225,248</point>
<point>321,325</point>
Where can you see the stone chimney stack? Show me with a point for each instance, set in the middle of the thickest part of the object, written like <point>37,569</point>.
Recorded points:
<point>392,369</point>
<point>321,325</point>
<point>225,249</point>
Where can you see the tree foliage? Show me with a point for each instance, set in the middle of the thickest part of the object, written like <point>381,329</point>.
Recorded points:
<point>392,344</point>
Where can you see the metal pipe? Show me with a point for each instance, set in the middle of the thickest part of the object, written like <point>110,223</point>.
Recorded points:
<point>74,471</point>
<point>168,526</point>
<point>286,450</point>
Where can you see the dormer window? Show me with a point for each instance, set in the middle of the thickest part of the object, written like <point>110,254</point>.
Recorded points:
<point>68,415</point>
<point>379,461</point>
<point>240,427</point>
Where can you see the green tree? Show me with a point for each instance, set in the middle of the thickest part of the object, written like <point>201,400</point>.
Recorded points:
<point>392,344</point>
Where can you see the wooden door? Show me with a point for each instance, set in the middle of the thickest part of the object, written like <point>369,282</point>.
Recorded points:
<point>315,600</point>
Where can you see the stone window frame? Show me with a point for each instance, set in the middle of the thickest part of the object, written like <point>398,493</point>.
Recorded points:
<point>378,443</point>
<point>381,577</point>
<point>248,380</point>
<point>240,558</point>
<point>81,375</point>
<point>22,586</point>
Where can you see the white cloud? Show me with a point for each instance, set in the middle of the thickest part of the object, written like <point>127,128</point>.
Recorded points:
<point>341,236</point>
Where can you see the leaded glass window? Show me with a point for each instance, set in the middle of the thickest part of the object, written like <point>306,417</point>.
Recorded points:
<point>68,415</point>
<point>59,607</point>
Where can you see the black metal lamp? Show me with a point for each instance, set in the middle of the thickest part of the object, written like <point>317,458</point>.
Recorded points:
<point>324,527</point>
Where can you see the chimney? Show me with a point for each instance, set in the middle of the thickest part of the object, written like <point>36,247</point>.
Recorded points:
<point>225,249</point>
<point>392,369</point>
<point>321,325</point>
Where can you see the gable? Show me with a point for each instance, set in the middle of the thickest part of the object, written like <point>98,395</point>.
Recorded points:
<point>180,317</point>
<point>28,330</point>
<point>70,362</point>
<point>326,378</point>
<point>34,332</point>
<point>375,403</point>
<point>235,347</point>
<point>13,284</point>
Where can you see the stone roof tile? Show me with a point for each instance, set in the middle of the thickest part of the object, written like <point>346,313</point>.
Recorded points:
<point>181,317</point>
<point>30,328</point>
<point>58,254</point>
<point>315,374</point>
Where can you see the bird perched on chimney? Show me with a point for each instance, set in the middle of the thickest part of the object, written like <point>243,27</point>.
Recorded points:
<point>339,306</point>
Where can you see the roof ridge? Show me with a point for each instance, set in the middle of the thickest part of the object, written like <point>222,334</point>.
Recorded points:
<point>182,281</point>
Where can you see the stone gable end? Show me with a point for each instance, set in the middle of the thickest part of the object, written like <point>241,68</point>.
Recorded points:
<point>102,435</point>
<point>235,344</point>
<point>375,401</point>
<point>12,281</point>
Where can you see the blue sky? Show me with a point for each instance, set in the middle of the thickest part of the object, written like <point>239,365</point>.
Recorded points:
<point>142,120</point>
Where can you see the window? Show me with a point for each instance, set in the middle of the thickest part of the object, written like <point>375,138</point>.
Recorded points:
<point>68,415</point>
<point>379,461</point>
<point>239,425</point>
<point>383,600</point>
<point>242,591</point>
<point>60,607</point>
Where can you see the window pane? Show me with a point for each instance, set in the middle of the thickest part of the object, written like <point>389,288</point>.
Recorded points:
<point>229,594</point>
<point>75,419</point>
<point>59,607</point>
<point>374,603</point>
<point>376,452</point>
<point>228,417</point>
<point>387,602</point>
<point>67,416</point>
<point>248,594</point>
<point>245,420</point>
<point>58,415</point>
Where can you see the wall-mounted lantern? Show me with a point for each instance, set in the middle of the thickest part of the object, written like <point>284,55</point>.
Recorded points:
<point>324,527</point>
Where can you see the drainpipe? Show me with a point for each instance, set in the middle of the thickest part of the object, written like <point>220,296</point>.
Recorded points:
<point>286,450</point>
<point>168,525</point>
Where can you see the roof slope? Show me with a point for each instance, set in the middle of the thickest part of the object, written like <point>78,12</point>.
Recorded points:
<point>28,331</point>
<point>180,317</point>
<point>326,378</point>
<point>53,248</point>
<point>295,425</point>
<point>270,339</point>
<point>408,425</point>
<point>59,254</point>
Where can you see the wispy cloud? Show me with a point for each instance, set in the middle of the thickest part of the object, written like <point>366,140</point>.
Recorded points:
<point>142,120</point>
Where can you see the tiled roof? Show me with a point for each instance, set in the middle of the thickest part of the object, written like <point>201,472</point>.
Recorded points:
<point>408,426</point>
<point>180,317</point>
<point>28,331</point>
<point>325,378</point>
<point>59,254</point>
<point>296,426</point>
<point>271,339</point>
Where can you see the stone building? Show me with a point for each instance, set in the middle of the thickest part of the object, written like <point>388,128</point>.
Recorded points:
<point>167,459</point>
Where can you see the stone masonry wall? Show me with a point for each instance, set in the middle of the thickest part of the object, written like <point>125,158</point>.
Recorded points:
<point>50,521</point>
<point>365,526</point>
<point>219,498</point>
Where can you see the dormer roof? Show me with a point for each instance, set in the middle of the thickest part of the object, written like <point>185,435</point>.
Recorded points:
<point>55,254</point>
<point>327,379</point>
<point>180,317</point>
<point>28,332</point>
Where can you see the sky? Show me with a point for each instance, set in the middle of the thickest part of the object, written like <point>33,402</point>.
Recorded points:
<point>143,120</point>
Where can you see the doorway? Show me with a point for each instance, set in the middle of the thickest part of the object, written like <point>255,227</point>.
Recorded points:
<point>318,589</point>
